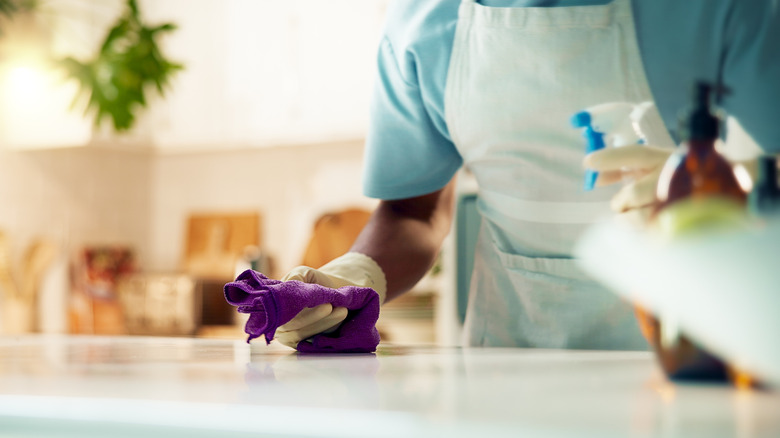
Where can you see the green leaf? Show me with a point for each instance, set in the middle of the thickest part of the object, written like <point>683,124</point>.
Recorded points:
<point>167,27</point>
<point>128,62</point>
<point>7,7</point>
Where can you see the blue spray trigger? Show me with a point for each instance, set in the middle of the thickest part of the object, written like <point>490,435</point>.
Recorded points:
<point>581,119</point>
<point>595,141</point>
<point>590,179</point>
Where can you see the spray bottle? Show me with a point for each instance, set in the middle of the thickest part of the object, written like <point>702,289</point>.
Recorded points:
<point>610,124</point>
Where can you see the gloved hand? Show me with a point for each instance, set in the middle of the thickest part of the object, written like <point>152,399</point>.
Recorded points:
<point>351,269</point>
<point>639,167</point>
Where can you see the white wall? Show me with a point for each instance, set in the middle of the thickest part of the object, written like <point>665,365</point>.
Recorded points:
<point>266,72</point>
<point>290,186</point>
<point>100,195</point>
<point>75,197</point>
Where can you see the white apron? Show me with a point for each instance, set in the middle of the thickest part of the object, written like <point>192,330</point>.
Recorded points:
<point>515,78</point>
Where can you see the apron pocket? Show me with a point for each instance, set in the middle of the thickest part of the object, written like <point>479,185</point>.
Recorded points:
<point>556,305</point>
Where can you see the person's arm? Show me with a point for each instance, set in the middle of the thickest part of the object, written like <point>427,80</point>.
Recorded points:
<point>404,236</point>
<point>393,252</point>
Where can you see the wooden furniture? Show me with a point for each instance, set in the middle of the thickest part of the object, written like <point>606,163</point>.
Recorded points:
<point>333,235</point>
<point>215,241</point>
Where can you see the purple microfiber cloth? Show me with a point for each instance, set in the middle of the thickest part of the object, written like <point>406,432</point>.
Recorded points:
<point>272,303</point>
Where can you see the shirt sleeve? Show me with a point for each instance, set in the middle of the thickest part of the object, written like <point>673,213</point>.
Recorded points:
<point>406,155</point>
<point>751,69</point>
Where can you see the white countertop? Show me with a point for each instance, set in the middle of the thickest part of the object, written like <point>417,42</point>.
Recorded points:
<point>137,386</point>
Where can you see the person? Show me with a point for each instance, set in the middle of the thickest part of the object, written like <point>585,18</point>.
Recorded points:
<point>490,85</point>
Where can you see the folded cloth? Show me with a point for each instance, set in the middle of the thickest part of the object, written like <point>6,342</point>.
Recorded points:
<point>272,303</point>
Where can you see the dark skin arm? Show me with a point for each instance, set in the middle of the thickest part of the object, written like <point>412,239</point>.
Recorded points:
<point>405,236</point>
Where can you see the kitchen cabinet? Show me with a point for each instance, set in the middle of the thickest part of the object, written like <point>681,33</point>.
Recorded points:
<point>262,73</point>
<point>183,387</point>
<point>257,73</point>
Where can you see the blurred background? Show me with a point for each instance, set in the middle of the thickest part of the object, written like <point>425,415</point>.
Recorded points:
<point>151,149</point>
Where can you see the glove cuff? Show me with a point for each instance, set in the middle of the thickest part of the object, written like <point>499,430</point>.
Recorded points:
<point>354,268</point>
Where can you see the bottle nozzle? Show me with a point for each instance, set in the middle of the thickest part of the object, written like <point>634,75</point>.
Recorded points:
<point>581,119</point>
<point>701,122</point>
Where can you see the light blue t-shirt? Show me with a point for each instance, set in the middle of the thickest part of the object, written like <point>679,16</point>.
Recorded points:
<point>409,151</point>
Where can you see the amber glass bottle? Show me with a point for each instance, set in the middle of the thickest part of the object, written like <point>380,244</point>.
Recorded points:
<point>696,169</point>
<point>695,172</point>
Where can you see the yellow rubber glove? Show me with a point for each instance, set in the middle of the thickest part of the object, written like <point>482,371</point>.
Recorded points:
<point>638,167</point>
<point>351,269</point>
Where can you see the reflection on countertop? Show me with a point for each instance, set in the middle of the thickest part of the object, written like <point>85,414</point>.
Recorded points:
<point>85,385</point>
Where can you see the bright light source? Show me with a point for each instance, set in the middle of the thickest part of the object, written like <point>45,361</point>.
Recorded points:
<point>26,87</point>
<point>26,81</point>
<point>35,108</point>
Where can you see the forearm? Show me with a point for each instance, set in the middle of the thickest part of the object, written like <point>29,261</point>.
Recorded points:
<point>404,237</point>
